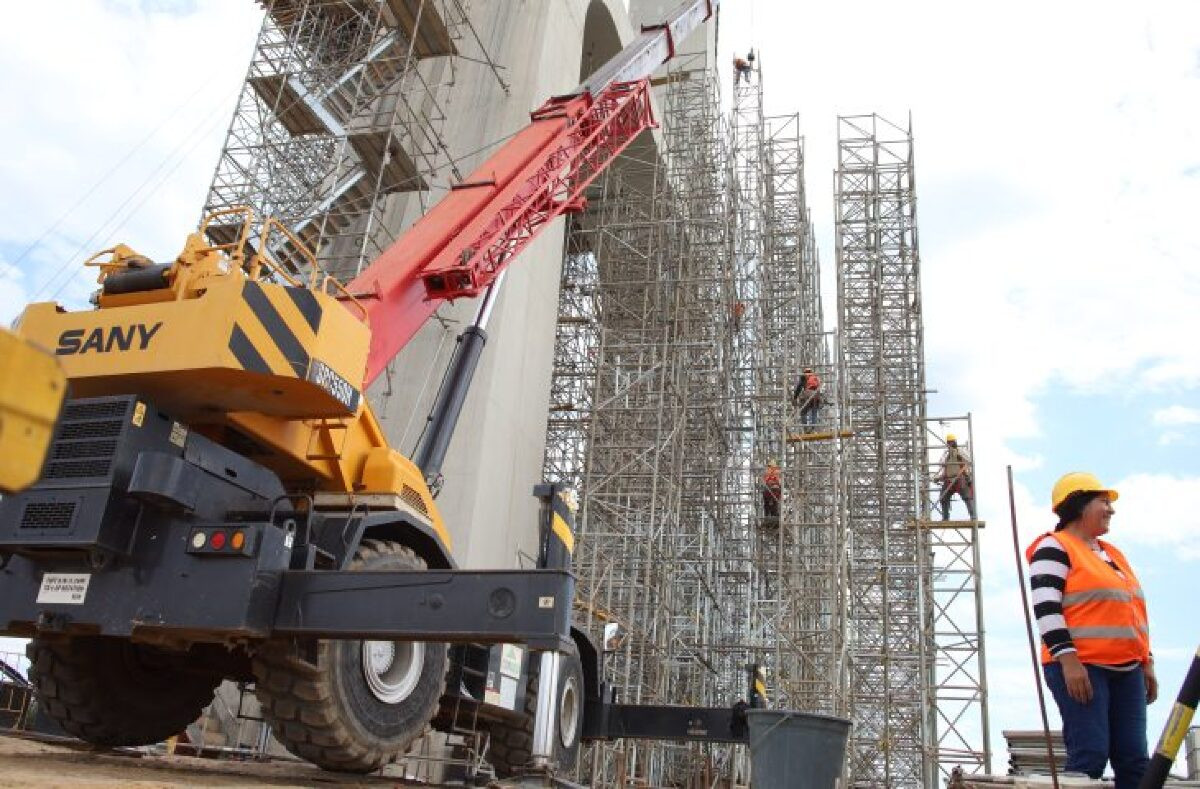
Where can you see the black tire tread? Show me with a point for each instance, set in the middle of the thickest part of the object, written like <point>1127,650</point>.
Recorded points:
<point>81,687</point>
<point>510,748</point>
<point>298,697</point>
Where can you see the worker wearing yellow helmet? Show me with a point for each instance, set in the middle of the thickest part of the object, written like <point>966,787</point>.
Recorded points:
<point>956,476</point>
<point>1095,637</point>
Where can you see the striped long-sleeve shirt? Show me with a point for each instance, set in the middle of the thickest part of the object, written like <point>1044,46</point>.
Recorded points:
<point>1048,570</point>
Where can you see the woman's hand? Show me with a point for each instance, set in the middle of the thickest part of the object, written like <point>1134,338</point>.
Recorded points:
<point>1151,682</point>
<point>1079,686</point>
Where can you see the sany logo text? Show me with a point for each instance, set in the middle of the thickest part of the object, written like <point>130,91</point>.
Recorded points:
<point>103,339</point>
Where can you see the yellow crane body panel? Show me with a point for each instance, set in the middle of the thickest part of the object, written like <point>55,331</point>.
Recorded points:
<point>242,345</point>
<point>32,386</point>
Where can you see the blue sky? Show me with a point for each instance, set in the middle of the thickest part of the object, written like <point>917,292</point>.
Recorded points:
<point>1058,180</point>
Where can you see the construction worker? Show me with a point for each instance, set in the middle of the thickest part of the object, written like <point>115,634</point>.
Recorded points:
<point>742,67</point>
<point>954,473</point>
<point>772,490</point>
<point>1095,638</point>
<point>738,310</point>
<point>807,395</point>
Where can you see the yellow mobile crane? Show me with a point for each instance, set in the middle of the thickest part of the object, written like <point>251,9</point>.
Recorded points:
<point>220,502</point>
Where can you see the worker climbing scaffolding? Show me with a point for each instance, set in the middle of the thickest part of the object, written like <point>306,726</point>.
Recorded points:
<point>955,475</point>
<point>743,67</point>
<point>772,490</point>
<point>807,395</point>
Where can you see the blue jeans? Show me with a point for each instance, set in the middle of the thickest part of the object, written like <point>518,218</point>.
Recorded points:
<point>1112,726</point>
<point>810,404</point>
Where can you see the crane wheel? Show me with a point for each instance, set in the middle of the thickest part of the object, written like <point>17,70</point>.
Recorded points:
<point>110,691</point>
<point>511,746</point>
<point>353,706</point>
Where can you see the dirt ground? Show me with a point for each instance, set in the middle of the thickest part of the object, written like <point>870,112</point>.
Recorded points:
<point>27,763</point>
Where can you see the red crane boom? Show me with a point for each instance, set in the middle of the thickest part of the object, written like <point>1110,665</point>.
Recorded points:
<point>465,241</point>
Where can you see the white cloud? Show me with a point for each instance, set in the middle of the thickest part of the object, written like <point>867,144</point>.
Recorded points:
<point>1159,510</point>
<point>13,292</point>
<point>114,117</point>
<point>1176,415</point>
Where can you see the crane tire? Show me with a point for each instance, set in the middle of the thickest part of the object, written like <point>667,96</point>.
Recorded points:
<point>110,691</point>
<point>510,748</point>
<point>353,706</point>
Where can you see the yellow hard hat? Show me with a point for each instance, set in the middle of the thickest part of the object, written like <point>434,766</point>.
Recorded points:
<point>772,462</point>
<point>1075,482</point>
<point>951,437</point>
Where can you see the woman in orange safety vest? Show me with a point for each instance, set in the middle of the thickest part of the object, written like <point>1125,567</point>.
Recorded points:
<point>1095,638</point>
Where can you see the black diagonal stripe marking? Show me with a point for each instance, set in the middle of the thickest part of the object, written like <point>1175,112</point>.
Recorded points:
<point>244,352</point>
<point>273,322</point>
<point>308,305</point>
<point>560,508</point>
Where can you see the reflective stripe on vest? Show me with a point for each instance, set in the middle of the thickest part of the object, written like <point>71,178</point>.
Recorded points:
<point>1096,594</point>
<point>1103,632</point>
<point>1104,613</point>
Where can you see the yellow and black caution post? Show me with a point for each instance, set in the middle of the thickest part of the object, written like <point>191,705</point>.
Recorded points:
<point>557,543</point>
<point>758,686</point>
<point>1175,730</point>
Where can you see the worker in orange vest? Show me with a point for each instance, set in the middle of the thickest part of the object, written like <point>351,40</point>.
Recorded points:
<point>738,310</point>
<point>1095,637</point>
<point>772,490</point>
<point>807,395</point>
<point>742,68</point>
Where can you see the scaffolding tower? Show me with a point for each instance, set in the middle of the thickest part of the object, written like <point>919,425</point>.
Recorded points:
<point>890,654</point>
<point>689,303</point>
<point>756,530</point>
<point>958,689</point>
<point>794,622</point>
<point>339,120</point>
<point>806,613</point>
<point>637,424</point>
